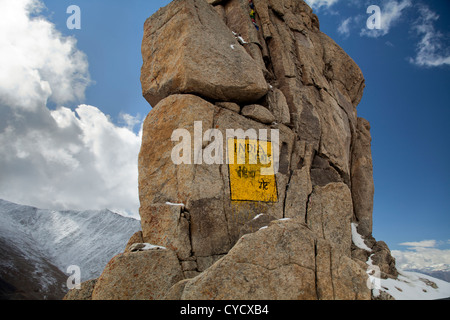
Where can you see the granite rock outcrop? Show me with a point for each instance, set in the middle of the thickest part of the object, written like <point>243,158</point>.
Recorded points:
<point>208,68</point>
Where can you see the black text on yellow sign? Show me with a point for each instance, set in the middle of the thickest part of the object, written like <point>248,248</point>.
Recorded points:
<point>250,164</point>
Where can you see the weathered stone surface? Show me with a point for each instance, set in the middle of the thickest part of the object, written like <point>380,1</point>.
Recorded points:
<point>274,263</point>
<point>322,173</point>
<point>214,2</point>
<point>209,232</point>
<point>204,263</point>
<point>258,222</point>
<point>329,215</point>
<point>349,279</point>
<point>324,276</point>
<point>230,106</point>
<point>362,177</point>
<point>176,290</point>
<point>189,265</point>
<point>336,136</point>
<point>191,274</point>
<point>143,275</point>
<point>342,71</point>
<point>338,276</point>
<point>302,155</point>
<point>383,259</point>
<point>278,106</point>
<point>297,195</point>
<point>187,48</point>
<point>85,293</point>
<point>283,261</point>
<point>306,119</point>
<point>258,113</point>
<point>238,20</point>
<point>160,179</point>
<point>135,238</point>
<point>166,225</point>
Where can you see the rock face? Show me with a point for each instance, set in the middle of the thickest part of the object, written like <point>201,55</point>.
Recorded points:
<point>142,275</point>
<point>284,261</point>
<point>187,48</point>
<point>230,231</point>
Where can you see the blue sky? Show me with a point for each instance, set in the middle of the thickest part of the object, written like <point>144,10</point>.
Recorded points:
<point>408,107</point>
<point>406,65</point>
<point>111,36</point>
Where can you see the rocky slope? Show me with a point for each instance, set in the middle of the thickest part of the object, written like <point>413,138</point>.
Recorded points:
<point>39,245</point>
<point>261,64</point>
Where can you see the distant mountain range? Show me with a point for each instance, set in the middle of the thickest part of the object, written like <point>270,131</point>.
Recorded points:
<point>438,274</point>
<point>37,247</point>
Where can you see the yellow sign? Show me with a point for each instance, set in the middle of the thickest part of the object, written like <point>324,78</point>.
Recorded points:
<point>251,170</point>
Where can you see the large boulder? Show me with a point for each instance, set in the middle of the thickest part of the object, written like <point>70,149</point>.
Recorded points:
<point>283,261</point>
<point>141,275</point>
<point>187,48</point>
<point>84,293</point>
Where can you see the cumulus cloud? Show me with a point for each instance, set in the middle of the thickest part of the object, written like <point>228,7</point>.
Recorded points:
<point>63,158</point>
<point>130,121</point>
<point>431,50</point>
<point>391,12</point>
<point>37,62</point>
<point>344,27</point>
<point>315,4</point>
<point>347,25</point>
<point>420,244</point>
<point>422,255</point>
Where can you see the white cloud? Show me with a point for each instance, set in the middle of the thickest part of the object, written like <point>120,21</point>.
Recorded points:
<point>130,121</point>
<point>315,4</point>
<point>66,159</point>
<point>391,12</point>
<point>422,255</point>
<point>344,27</point>
<point>60,159</point>
<point>37,63</point>
<point>420,244</point>
<point>431,51</point>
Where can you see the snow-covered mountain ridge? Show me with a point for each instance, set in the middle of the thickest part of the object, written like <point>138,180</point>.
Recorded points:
<point>37,247</point>
<point>45,238</point>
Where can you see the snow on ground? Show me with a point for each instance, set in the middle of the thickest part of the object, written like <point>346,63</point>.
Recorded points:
<point>408,285</point>
<point>358,239</point>
<point>414,286</point>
